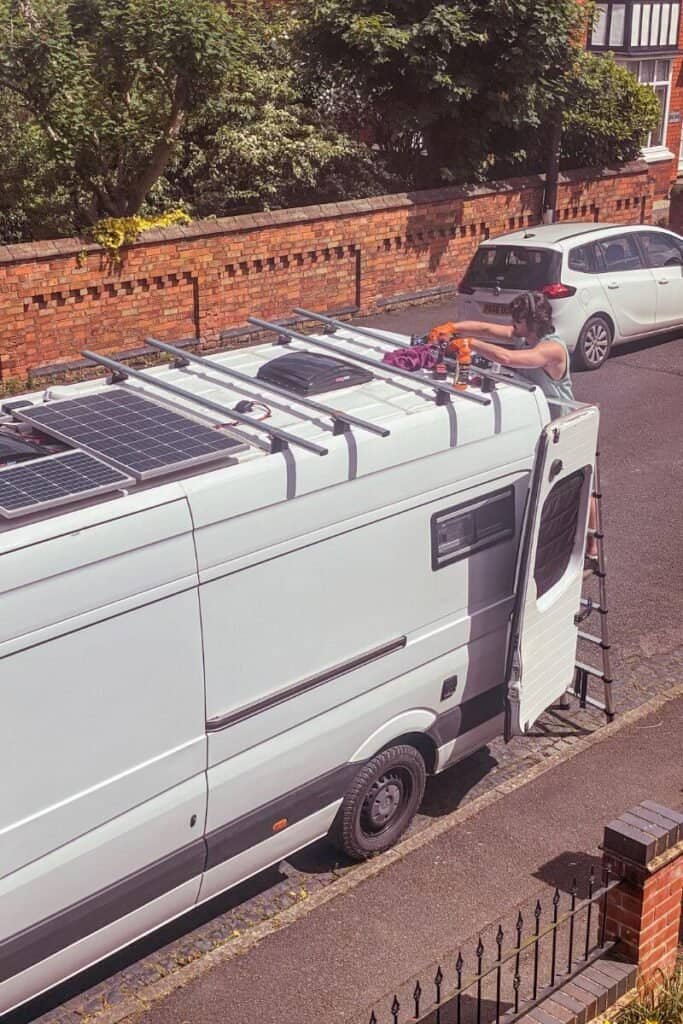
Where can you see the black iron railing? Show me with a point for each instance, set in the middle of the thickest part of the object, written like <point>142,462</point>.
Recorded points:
<point>522,976</point>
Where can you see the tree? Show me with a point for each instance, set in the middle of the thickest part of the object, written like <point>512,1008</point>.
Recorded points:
<point>444,86</point>
<point>258,144</point>
<point>108,85</point>
<point>608,116</point>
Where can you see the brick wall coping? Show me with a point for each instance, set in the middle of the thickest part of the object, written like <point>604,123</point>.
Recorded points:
<point>54,248</point>
<point>648,835</point>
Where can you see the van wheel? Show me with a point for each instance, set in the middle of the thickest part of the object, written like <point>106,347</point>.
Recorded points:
<point>594,344</point>
<point>381,802</point>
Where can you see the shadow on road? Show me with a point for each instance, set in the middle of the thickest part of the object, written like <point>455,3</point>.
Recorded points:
<point>561,871</point>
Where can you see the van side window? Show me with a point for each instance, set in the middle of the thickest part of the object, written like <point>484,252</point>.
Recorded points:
<point>465,529</point>
<point>582,259</point>
<point>557,532</point>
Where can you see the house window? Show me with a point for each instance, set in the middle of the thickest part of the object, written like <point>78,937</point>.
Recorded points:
<point>657,75</point>
<point>466,529</point>
<point>631,26</point>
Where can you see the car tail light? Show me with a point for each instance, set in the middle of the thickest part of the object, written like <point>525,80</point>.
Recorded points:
<point>558,291</point>
<point>465,289</point>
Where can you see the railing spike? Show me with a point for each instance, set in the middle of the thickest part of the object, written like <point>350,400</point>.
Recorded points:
<point>395,1009</point>
<point>417,996</point>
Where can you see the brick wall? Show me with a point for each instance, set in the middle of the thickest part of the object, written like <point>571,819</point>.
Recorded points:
<point>644,849</point>
<point>202,280</point>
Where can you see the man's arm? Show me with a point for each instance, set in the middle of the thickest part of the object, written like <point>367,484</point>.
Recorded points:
<point>547,355</point>
<point>464,327</point>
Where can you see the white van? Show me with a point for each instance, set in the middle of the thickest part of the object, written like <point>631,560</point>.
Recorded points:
<point>213,654</point>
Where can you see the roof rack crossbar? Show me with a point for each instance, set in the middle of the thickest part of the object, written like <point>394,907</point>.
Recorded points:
<point>340,419</point>
<point>443,391</point>
<point>279,439</point>
<point>514,382</point>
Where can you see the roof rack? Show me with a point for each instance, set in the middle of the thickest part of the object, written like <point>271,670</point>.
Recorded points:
<point>444,392</point>
<point>501,378</point>
<point>342,421</point>
<point>279,439</point>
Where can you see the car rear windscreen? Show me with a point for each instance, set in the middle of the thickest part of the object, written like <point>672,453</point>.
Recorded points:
<point>517,268</point>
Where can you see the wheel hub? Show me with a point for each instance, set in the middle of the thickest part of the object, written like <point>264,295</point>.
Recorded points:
<point>596,344</point>
<point>383,801</point>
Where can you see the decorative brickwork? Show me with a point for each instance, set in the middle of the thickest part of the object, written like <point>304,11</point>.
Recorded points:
<point>644,848</point>
<point>201,280</point>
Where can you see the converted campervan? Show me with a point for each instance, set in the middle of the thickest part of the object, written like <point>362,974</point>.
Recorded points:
<point>253,599</point>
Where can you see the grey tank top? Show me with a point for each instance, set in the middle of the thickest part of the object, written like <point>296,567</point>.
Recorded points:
<point>561,388</point>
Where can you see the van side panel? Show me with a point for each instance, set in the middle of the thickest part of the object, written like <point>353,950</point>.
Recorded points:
<point>102,726</point>
<point>280,626</point>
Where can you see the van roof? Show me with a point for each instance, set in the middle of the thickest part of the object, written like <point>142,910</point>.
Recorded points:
<point>417,426</point>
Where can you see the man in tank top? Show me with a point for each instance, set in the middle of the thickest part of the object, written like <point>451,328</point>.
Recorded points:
<point>539,355</point>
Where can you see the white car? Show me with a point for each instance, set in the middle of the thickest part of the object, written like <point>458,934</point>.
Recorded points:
<point>606,283</point>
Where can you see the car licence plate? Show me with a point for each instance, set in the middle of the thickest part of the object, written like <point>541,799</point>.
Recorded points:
<point>497,308</point>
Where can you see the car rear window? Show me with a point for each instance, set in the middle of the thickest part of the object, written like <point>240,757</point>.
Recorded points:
<point>517,268</point>
<point>583,259</point>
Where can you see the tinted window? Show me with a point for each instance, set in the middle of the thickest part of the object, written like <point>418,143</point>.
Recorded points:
<point>557,532</point>
<point>583,259</point>
<point>465,529</point>
<point>515,267</point>
<point>620,253</point>
<point>661,250</point>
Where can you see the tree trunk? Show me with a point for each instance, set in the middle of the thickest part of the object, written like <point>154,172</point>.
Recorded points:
<point>552,174</point>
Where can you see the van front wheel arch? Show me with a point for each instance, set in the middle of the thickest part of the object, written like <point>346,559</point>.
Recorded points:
<point>380,803</point>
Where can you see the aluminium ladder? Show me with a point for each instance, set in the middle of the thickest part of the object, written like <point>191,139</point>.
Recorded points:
<point>590,607</point>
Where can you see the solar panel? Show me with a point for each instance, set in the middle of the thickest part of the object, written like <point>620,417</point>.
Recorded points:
<point>55,480</point>
<point>138,435</point>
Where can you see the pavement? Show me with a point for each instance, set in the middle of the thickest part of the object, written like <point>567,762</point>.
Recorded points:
<point>391,928</point>
<point>642,440</point>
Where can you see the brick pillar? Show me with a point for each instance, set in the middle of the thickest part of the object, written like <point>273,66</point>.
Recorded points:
<point>644,848</point>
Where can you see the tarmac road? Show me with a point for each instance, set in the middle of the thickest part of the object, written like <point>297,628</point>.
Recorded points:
<point>639,391</point>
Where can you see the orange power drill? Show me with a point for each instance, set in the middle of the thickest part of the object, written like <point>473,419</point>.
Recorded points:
<point>450,344</point>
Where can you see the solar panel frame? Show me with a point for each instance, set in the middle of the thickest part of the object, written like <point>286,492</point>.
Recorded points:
<point>132,432</point>
<point>46,482</point>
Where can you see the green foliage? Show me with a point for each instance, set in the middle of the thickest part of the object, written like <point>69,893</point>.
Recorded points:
<point>35,200</point>
<point>663,1005</point>
<point>108,84</point>
<point>119,109</point>
<point>257,144</point>
<point>444,87</point>
<point>608,114</point>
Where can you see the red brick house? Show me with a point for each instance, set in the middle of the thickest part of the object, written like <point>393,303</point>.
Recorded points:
<point>647,38</point>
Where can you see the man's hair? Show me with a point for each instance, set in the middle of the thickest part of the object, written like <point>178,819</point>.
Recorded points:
<point>536,310</point>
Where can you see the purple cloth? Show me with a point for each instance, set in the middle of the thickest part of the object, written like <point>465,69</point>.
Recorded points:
<point>417,357</point>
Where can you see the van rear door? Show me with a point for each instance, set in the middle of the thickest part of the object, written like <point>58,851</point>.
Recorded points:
<point>550,571</point>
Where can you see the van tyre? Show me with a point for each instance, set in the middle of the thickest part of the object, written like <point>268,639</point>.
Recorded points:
<point>381,802</point>
<point>594,344</point>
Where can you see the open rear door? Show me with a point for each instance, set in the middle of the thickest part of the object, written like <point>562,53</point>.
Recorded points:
<point>550,571</point>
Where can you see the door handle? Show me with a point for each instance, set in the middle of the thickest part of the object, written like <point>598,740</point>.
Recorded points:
<point>613,285</point>
<point>663,280</point>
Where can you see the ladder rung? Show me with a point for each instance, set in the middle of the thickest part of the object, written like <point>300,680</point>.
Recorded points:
<point>589,670</point>
<point>591,639</point>
<point>593,703</point>
<point>594,607</point>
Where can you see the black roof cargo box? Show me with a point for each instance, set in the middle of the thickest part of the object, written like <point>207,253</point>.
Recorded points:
<point>311,373</point>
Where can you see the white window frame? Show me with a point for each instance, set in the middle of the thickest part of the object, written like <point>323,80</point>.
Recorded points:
<point>653,154</point>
